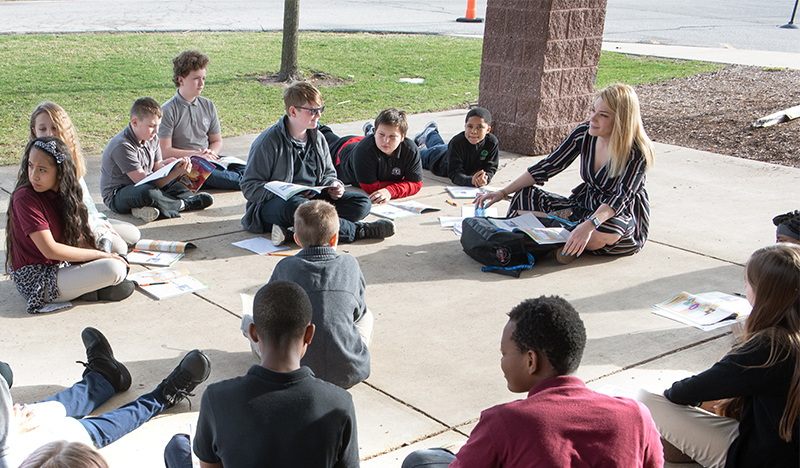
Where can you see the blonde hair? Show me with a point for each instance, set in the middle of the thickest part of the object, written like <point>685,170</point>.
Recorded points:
<point>628,132</point>
<point>63,454</point>
<point>774,274</point>
<point>315,223</point>
<point>65,131</point>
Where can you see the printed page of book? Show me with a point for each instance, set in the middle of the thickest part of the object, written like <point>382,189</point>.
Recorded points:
<point>154,258</point>
<point>414,206</point>
<point>174,287</point>
<point>530,225</point>
<point>701,313</point>
<point>390,211</point>
<point>159,275</point>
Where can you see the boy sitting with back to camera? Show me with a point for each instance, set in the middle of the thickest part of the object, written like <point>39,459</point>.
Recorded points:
<point>470,159</point>
<point>134,154</point>
<point>335,285</point>
<point>561,423</point>
<point>278,414</point>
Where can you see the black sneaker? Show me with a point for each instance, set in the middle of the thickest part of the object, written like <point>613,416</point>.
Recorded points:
<point>376,230</point>
<point>198,202</point>
<point>191,372</point>
<point>100,359</point>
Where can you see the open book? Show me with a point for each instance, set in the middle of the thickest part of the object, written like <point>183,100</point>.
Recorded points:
<point>226,161</point>
<point>164,283</point>
<point>530,225</point>
<point>706,311</point>
<point>400,210</point>
<point>158,253</point>
<point>201,168</point>
<point>287,190</point>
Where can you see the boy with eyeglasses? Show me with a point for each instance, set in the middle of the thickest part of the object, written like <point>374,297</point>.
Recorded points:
<point>293,151</point>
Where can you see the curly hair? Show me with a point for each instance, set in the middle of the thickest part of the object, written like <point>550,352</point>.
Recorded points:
<point>281,312</point>
<point>74,214</point>
<point>187,62</point>
<point>64,130</point>
<point>550,324</point>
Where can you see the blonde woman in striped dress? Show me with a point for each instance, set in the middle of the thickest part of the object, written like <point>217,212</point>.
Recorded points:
<point>610,208</point>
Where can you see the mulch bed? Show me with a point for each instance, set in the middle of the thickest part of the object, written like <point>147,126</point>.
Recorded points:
<point>714,112</point>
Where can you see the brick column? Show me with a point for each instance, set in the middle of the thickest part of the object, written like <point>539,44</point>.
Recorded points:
<point>538,68</point>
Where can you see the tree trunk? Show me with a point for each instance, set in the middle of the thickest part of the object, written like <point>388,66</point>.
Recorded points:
<point>291,22</point>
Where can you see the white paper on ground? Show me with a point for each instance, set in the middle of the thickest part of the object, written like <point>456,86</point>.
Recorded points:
<point>259,245</point>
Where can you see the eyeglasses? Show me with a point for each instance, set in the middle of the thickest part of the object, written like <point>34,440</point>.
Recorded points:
<point>314,111</point>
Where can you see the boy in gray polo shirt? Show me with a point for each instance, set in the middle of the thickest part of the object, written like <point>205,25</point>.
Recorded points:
<point>190,124</point>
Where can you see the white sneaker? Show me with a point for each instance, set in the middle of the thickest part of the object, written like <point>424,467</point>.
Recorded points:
<point>146,213</point>
<point>278,235</point>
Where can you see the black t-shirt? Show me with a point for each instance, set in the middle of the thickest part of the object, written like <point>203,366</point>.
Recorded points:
<point>364,163</point>
<point>267,418</point>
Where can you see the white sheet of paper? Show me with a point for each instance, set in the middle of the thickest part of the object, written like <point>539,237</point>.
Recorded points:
<point>259,245</point>
<point>159,173</point>
<point>54,306</point>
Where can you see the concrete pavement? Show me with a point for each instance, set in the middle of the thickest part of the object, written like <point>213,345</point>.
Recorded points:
<point>435,359</point>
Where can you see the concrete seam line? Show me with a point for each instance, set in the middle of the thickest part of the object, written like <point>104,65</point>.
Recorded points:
<point>659,356</point>
<point>696,253</point>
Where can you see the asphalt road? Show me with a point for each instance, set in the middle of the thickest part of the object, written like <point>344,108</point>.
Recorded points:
<point>738,24</point>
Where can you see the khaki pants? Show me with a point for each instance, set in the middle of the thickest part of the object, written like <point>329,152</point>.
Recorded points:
<point>703,436</point>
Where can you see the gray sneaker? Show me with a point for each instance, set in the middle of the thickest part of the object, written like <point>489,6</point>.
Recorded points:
<point>419,140</point>
<point>368,128</point>
<point>146,213</point>
<point>278,236</point>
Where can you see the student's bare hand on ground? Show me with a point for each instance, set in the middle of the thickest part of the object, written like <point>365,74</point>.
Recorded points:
<point>337,191</point>
<point>380,196</point>
<point>488,199</point>
<point>579,238</point>
<point>25,419</point>
<point>479,179</point>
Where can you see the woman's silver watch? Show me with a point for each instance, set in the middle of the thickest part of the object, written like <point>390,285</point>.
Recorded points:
<point>594,221</point>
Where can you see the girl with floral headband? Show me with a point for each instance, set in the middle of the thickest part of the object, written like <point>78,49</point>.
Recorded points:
<point>50,119</point>
<point>51,253</point>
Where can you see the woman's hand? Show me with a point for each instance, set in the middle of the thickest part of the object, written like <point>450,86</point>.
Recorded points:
<point>486,200</point>
<point>579,238</point>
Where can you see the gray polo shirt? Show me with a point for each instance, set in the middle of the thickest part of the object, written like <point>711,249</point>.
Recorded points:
<point>124,154</point>
<point>188,123</point>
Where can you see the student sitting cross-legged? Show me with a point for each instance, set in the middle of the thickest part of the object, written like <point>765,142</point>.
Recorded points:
<point>561,423</point>
<point>278,414</point>
<point>293,151</point>
<point>133,155</point>
<point>336,287</point>
<point>190,124</point>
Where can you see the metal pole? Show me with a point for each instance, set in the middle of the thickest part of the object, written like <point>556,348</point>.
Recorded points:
<point>790,24</point>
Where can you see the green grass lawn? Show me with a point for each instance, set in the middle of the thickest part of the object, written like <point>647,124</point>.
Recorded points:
<point>96,77</point>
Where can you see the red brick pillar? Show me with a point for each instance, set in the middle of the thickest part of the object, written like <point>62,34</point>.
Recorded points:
<point>537,74</point>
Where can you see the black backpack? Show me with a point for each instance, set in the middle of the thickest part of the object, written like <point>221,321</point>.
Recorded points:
<point>504,252</point>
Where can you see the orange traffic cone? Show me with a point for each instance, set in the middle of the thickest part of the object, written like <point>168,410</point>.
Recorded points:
<point>470,14</point>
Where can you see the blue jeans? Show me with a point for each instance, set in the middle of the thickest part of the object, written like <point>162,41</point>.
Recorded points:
<point>91,392</point>
<point>167,200</point>
<point>433,155</point>
<point>225,179</point>
<point>351,207</point>
<point>178,452</point>
<point>429,458</point>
